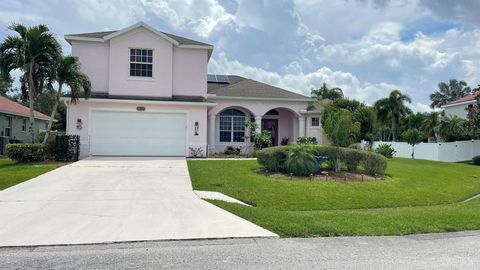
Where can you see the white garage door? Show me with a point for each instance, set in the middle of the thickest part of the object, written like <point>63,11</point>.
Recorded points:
<point>138,133</point>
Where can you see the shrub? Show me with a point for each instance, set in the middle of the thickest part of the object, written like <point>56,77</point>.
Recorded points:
<point>334,154</point>
<point>476,160</point>
<point>233,151</point>
<point>352,158</point>
<point>67,147</point>
<point>385,150</point>
<point>273,158</point>
<point>26,152</point>
<point>196,151</point>
<point>307,140</point>
<point>300,161</point>
<point>374,163</point>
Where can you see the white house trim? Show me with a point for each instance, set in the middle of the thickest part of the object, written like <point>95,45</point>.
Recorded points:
<point>260,98</point>
<point>135,101</point>
<point>460,103</point>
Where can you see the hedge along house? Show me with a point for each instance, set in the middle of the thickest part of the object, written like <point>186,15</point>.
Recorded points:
<point>152,96</point>
<point>14,121</point>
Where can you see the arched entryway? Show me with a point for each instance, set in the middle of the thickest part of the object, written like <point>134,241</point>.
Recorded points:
<point>282,124</point>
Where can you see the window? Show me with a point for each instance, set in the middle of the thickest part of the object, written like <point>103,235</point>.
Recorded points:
<point>232,126</point>
<point>141,62</point>
<point>24,124</point>
<point>315,121</point>
<point>8,128</point>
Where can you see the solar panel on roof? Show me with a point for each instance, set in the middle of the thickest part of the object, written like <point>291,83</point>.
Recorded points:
<point>217,78</point>
<point>222,79</point>
<point>211,78</point>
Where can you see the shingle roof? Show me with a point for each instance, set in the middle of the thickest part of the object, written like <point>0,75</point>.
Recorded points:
<point>243,87</point>
<point>179,39</point>
<point>11,107</point>
<point>465,98</point>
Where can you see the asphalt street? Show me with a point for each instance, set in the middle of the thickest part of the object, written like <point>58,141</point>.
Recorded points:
<point>430,251</point>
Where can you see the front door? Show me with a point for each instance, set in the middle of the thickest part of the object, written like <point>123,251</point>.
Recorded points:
<point>271,125</point>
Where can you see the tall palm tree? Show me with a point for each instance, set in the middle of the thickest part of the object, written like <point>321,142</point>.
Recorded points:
<point>449,92</point>
<point>32,51</point>
<point>393,107</point>
<point>66,71</point>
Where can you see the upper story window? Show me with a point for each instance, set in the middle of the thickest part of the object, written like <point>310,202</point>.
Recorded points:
<point>315,121</point>
<point>141,62</point>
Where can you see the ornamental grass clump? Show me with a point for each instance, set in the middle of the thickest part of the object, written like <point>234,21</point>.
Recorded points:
<point>300,161</point>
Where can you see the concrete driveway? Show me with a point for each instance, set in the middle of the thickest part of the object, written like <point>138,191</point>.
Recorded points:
<point>106,199</point>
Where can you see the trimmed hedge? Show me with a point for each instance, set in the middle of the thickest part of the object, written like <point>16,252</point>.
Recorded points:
<point>26,152</point>
<point>67,147</point>
<point>476,160</point>
<point>273,158</point>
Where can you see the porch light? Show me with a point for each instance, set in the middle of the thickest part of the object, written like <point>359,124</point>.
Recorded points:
<point>196,128</point>
<point>79,123</point>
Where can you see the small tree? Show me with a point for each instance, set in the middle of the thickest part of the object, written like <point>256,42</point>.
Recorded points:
<point>261,139</point>
<point>413,137</point>
<point>340,129</point>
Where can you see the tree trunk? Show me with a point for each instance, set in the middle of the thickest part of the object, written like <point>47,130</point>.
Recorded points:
<point>413,151</point>
<point>31,95</point>
<point>52,115</point>
<point>394,131</point>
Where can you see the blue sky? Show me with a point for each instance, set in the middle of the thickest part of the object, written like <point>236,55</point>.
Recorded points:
<point>366,47</point>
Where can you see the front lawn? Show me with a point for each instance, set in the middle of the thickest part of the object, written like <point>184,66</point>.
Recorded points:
<point>12,173</point>
<point>417,196</point>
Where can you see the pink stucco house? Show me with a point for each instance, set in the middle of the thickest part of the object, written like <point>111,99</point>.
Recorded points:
<point>152,96</point>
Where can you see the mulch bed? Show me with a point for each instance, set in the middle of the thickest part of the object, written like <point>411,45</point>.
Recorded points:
<point>332,176</point>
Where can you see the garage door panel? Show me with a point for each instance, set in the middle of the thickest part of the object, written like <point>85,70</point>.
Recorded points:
<point>138,133</point>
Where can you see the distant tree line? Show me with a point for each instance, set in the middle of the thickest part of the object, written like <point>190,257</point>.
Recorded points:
<point>390,118</point>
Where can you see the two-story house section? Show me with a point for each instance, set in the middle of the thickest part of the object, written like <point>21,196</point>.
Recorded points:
<point>152,96</point>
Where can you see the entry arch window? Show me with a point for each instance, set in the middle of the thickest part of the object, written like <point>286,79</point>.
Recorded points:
<point>232,126</point>
<point>141,62</point>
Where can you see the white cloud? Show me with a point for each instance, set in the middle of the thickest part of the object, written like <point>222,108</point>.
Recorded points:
<point>301,82</point>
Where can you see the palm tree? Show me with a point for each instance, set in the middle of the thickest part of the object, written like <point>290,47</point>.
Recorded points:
<point>449,92</point>
<point>453,128</point>
<point>431,124</point>
<point>323,95</point>
<point>32,51</point>
<point>66,71</point>
<point>393,107</point>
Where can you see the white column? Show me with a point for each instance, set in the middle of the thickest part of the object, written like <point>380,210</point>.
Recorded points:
<point>301,126</point>
<point>211,133</point>
<point>258,121</point>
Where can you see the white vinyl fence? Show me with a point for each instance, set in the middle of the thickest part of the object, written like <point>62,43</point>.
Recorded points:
<point>445,151</point>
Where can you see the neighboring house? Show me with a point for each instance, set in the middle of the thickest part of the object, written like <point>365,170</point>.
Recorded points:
<point>151,95</point>
<point>14,120</point>
<point>459,107</point>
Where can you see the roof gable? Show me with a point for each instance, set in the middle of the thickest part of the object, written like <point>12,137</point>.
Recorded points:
<point>107,35</point>
<point>137,26</point>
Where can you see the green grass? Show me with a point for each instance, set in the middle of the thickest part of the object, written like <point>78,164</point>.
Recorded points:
<point>12,173</point>
<point>417,196</point>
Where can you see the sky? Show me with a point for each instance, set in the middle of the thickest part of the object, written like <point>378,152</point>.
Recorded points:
<point>365,47</point>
